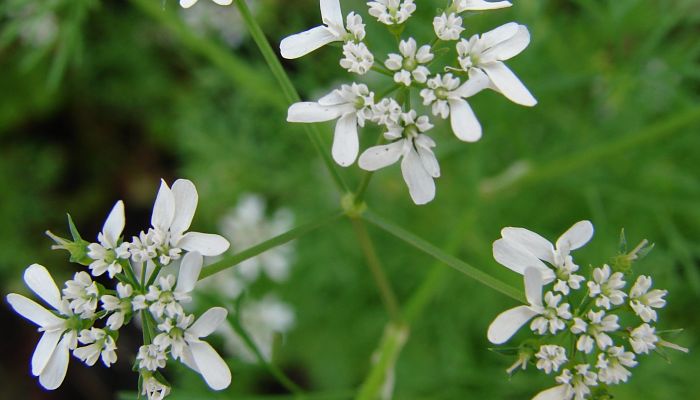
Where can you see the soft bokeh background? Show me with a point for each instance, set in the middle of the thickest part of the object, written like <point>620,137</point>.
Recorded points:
<point>100,99</point>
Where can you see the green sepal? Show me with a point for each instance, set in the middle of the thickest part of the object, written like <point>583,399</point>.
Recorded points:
<point>78,248</point>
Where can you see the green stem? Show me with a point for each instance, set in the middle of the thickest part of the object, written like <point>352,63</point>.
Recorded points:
<point>382,70</point>
<point>395,336</point>
<point>233,260</point>
<point>375,266</point>
<point>442,256</point>
<point>290,93</point>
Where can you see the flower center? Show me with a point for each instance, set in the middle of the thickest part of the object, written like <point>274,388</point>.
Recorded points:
<point>441,93</point>
<point>409,64</point>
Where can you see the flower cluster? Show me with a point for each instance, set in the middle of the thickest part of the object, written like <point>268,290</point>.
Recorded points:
<point>444,74</point>
<point>86,316</point>
<point>588,332</point>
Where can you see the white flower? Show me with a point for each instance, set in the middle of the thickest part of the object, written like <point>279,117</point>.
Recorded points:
<point>358,58</point>
<point>107,252</point>
<point>99,345</point>
<point>572,386</point>
<point>596,327</point>
<point>120,306</point>
<point>448,27</point>
<point>611,365</point>
<point>447,98</point>
<point>172,215</point>
<point>154,389</point>
<point>550,357</point>
<point>83,294</point>
<point>521,362</point>
<point>303,43</point>
<point>418,166</point>
<point>351,106</point>
<point>606,286</point>
<point>643,339</point>
<point>479,5</point>
<point>387,112</point>
<point>151,357</point>
<point>548,316</point>
<point>409,65</point>
<point>487,53</point>
<point>190,3</point>
<point>520,248</point>
<point>391,12</point>
<point>184,341</point>
<point>643,301</point>
<point>50,358</point>
<point>166,299</point>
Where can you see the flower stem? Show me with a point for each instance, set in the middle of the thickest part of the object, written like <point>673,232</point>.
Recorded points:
<point>375,267</point>
<point>290,93</point>
<point>233,260</point>
<point>395,336</point>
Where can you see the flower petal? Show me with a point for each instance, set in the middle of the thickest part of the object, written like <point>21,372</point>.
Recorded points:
<point>518,259</point>
<point>312,112</point>
<point>207,244</point>
<point>190,267</point>
<point>44,349</point>
<point>508,323</point>
<point>331,12</point>
<point>186,198</point>
<point>114,225</point>
<point>33,311</point>
<point>463,121</point>
<point>38,278</point>
<point>531,241</point>
<point>187,3</point>
<point>556,393</point>
<point>477,82</point>
<point>533,286</point>
<point>346,144</point>
<point>208,322</point>
<point>420,184</point>
<point>499,34</point>
<point>480,5</point>
<point>378,157</point>
<point>427,157</point>
<point>509,84</point>
<point>576,236</point>
<point>223,2</point>
<point>511,47</point>
<point>163,208</point>
<point>303,43</point>
<point>55,370</point>
<point>210,364</point>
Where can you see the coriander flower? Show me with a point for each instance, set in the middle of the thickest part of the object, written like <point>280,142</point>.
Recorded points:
<point>448,27</point>
<point>487,53</point>
<point>594,331</point>
<point>153,389</point>
<point>611,365</point>
<point>184,341</point>
<point>151,357</point>
<point>572,386</point>
<point>550,358</point>
<point>120,306</point>
<point>350,105</point>
<point>643,301</point>
<point>50,358</point>
<point>190,3</point>
<point>605,287</point>
<point>83,294</point>
<point>106,253</point>
<point>643,339</point>
<point>332,30</point>
<point>409,65</point>
<point>480,5</point>
<point>447,98</point>
<point>418,165</point>
<point>520,248</point>
<point>391,12</point>
<point>100,344</point>
<point>387,112</point>
<point>549,316</point>
<point>358,59</point>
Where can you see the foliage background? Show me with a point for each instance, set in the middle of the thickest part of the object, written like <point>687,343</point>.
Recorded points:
<point>125,94</point>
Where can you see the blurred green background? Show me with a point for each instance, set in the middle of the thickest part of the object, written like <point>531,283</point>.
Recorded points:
<point>100,99</point>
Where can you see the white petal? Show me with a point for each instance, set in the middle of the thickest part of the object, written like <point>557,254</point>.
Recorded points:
<point>427,157</point>
<point>187,3</point>
<point>207,244</point>
<point>533,285</point>
<point>33,311</point>
<point>463,121</point>
<point>517,259</point>
<point>114,225</point>
<point>44,349</point>
<point>500,34</point>
<point>556,393</point>
<point>163,208</point>
<point>223,2</point>
<point>190,267</point>
<point>378,157</point>
<point>333,98</point>
<point>303,43</point>
<point>420,184</point>
<point>210,364</point>
<point>52,375</point>
<point>534,243</point>
<point>346,144</point>
<point>331,12</point>
<point>38,278</point>
<point>576,236</point>
<point>511,47</point>
<point>509,84</point>
<point>477,82</point>
<point>185,195</point>
<point>208,322</point>
<point>312,112</point>
<point>480,5</point>
<point>508,323</point>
